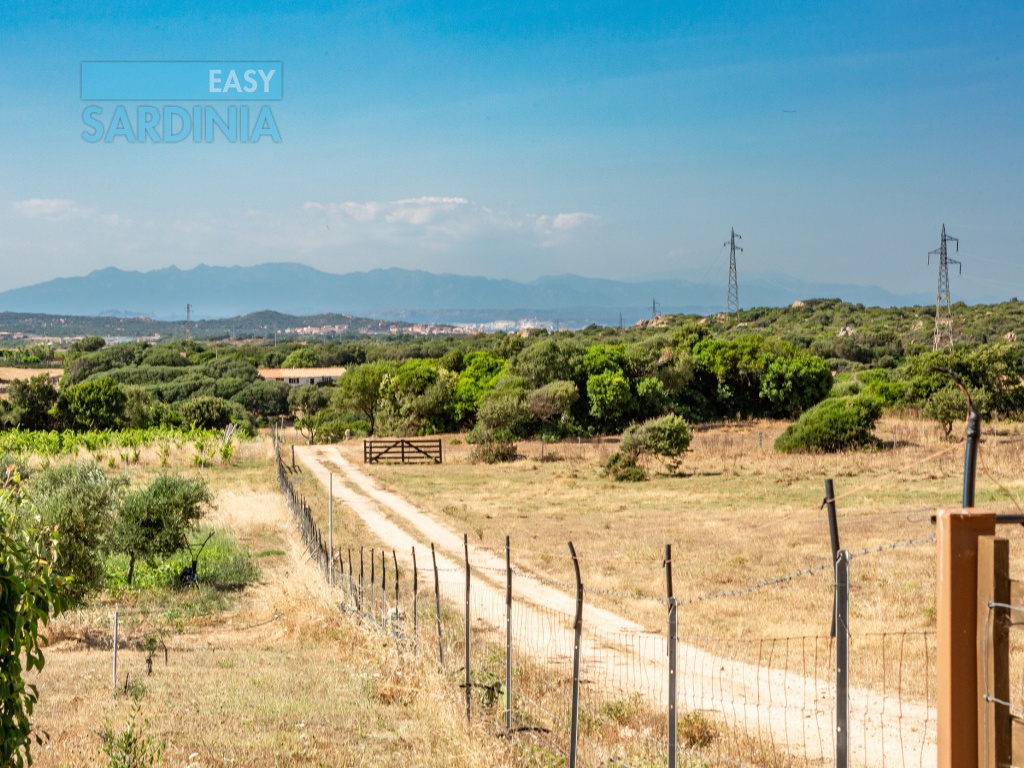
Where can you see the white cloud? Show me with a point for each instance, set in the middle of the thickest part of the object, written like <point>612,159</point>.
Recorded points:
<point>436,222</point>
<point>52,209</point>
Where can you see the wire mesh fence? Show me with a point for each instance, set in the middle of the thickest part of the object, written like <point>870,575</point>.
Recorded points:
<point>760,701</point>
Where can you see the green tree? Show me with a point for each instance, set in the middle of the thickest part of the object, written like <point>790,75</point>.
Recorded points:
<point>504,414</point>
<point>205,411</point>
<point>266,399</point>
<point>79,501</point>
<point>31,401</point>
<point>477,377</point>
<point>153,521</point>
<point>416,399</point>
<point>303,357</point>
<point>91,405</point>
<point>547,360</point>
<point>552,402</point>
<point>29,593</point>
<point>610,397</point>
<point>359,390</point>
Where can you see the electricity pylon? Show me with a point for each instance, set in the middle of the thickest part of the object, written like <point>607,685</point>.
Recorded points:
<point>943,315</point>
<point>732,303</point>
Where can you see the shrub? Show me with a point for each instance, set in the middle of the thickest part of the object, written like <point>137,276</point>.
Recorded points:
<point>836,424</point>
<point>78,500</point>
<point>493,451</point>
<point>665,438</point>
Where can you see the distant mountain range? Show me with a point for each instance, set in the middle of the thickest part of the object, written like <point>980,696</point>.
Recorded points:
<point>407,295</point>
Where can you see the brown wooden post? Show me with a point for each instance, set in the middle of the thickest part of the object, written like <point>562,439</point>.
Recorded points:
<point>957,533</point>
<point>993,652</point>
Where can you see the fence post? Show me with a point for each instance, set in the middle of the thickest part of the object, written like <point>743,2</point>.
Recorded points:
<point>350,584</point>
<point>330,525</point>
<point>359,593</point>
<point>373,580</point>
<point>395,558</point>
<point>833,533</point>
<point>956,591</point>
<point>383,587</point>
<point>577,628</point>
<point>841,622</point>
<point>993,644</point>
<point>415,598</point>
<point>293,457</point>
<point>469,690</point>
<point>437,605</point>
<point>116,621</point>
<point>673,719</point>
<point>508,636</point>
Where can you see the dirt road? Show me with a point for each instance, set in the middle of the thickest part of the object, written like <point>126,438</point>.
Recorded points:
<point>795,712</point>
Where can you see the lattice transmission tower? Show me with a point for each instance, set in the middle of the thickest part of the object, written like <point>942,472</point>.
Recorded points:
<point>943,315</point>
<point>732,304</point>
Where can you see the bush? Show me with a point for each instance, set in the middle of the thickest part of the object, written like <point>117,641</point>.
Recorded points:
<point>836,424</point>
<point>625,467</point>
<point>494,451</point>
<point>665,438</point>
<point>78,501</point>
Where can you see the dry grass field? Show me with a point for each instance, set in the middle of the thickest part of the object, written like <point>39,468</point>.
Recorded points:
<point>737,514</point>
<point>274,674</point>
<point>271,675</point>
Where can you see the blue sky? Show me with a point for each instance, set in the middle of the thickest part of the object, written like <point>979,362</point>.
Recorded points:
<point>517,140</point>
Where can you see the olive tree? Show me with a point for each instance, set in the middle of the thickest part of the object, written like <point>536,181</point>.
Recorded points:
<point>153,520</point>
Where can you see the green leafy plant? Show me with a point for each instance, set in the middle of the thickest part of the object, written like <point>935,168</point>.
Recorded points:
<point>29,593</point>
<point>130,748</point>
<point>835,424</point>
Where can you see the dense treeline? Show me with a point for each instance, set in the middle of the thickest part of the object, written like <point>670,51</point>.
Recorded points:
<point>761,363</point>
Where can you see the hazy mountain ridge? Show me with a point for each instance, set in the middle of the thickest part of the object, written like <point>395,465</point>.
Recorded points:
<point>408,295</point>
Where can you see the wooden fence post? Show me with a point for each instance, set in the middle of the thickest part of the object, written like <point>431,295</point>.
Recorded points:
<point>993,652</point>
<point>957,533</point>
<point>469,681</point>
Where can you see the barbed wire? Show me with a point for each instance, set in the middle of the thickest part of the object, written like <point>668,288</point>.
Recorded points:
<point>893,545</point>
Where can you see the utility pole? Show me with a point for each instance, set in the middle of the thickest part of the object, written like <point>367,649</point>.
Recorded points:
<point>943,315</point>
<point>188,322</point>
<point>732,303</point>
<point>654,308</point>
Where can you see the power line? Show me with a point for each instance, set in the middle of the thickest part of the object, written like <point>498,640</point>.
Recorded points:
<point>943,315</point>
<point>732,303</point>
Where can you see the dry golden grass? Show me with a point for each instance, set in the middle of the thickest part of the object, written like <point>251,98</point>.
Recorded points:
<point>739,513</point>
<point>11,374</point>
<point>278,677</point>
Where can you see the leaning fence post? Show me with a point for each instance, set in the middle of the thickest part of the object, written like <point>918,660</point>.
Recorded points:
<point>395,558</point>
<point>673,721</point>
<point>383,587</point>
<point>833,533</point>
<point>508,636</point>
<point>330,524</point>
<point>415,598</point>
<point>469,690</point>
<point>842,624</point>
<point>576,653</point>
<point>437,605</point>
<point>116,621</point>
<point>359,593</point>
<point>373,580</point>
